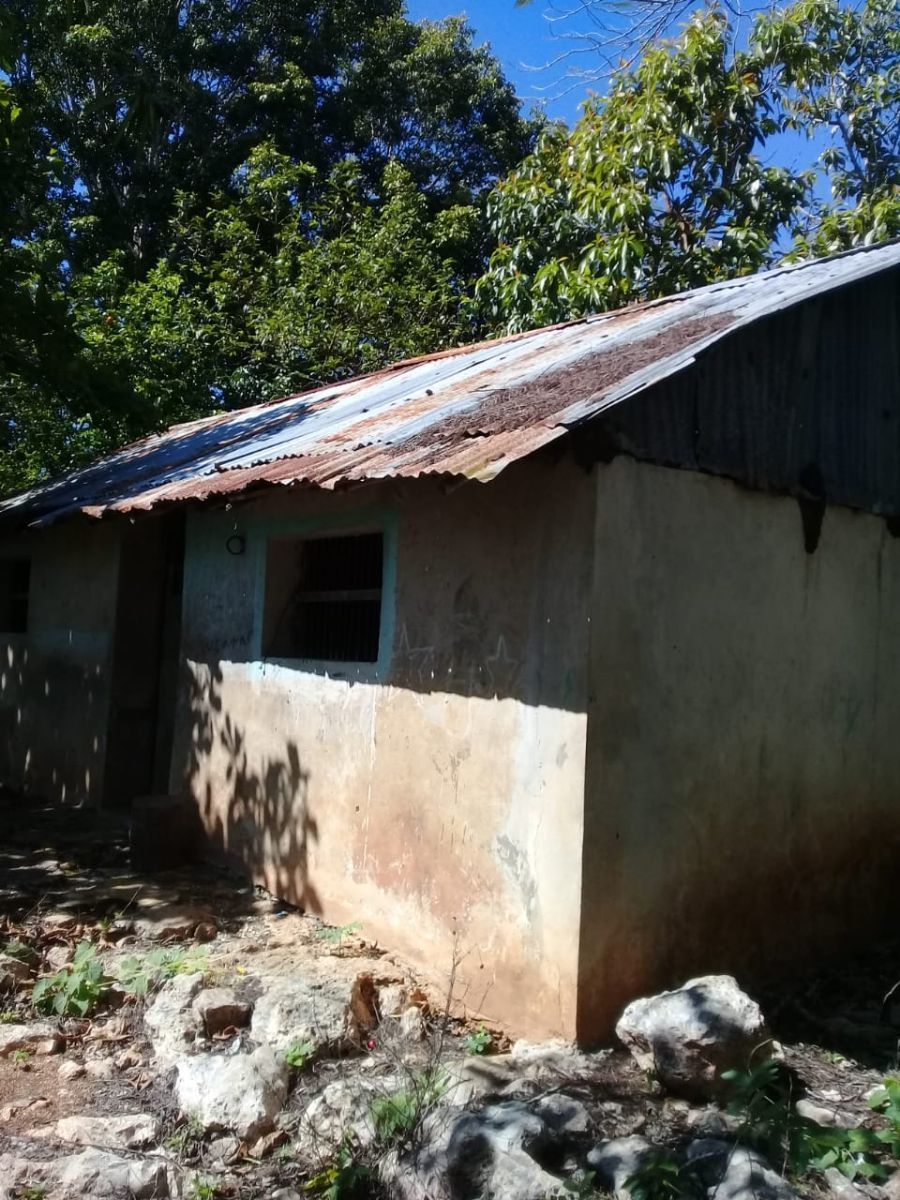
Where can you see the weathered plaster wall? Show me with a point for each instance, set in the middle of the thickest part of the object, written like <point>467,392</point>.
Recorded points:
<point>743,758</point>
<point>54,679</point>
<point>435,796</point>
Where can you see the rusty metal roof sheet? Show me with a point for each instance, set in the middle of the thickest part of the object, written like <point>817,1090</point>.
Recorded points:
<point>468,412</point>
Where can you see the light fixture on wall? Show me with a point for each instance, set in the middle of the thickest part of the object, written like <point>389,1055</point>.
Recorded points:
<point>236,544</point>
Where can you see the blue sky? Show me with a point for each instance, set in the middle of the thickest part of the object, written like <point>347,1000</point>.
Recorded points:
<point>524,39</point>
<point>521,38</point>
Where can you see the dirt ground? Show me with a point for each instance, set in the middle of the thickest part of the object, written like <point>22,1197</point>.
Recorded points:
<point>65,878</point>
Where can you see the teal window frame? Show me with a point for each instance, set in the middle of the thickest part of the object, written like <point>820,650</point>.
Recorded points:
<point>362,520</point>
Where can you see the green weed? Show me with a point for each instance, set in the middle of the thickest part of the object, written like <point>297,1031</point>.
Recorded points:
<point>141,974</point>
<point>299,1054</point>
<point>398,1117</point>
<point>344,1179</point>
<point>662,1177</point>
<point>77,989</point>
<point>479,1042</point>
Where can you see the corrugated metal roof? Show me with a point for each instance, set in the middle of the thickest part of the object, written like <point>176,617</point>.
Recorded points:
<point>468,412</point>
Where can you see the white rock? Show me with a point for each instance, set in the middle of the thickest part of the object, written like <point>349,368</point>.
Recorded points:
<point>615,1162</point>
<point>170,1020</point>
<point>174,922</point>
<point>13,971</point>
<point>343,1109</point>
<point>100,1068</point>
<point>218,1008</point>
<point>301,1009</point>
<point>241,1094</point>
<point>412,1024</point>
<point>91,1173</point>
<point>736,1172</point>
<point>70,1070</point>
<point>486,1153</point>
<point>98,1173</point>
<point>40,1037</point>
<point>57,957</point>
<point>124,1132</point>
<point>689,1036</point>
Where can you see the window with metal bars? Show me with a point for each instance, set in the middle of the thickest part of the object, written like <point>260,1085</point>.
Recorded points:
<point>323,598</point>
<point>15,581</point>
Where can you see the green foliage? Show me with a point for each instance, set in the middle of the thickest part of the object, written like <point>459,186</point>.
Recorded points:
<point>19,950</point>
<point>204,1187</point>
<point>838,81</point>
<point>141,974</point>
<point>661,186</point>
<point>398,1117</point>
<point>187,1138</point>
<point>344,1179</point>
<point>771,1125</point>
<point>174,237</point>
<point>77,989</point>
<point>21,1057</point>
<point>298,1055</point>
<point>479,1042</point>
<point>335,934</point>
<point>662,1177</point>
<point>9,1016</point>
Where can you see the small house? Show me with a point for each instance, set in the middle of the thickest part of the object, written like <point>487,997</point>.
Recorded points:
<point>567,662</point>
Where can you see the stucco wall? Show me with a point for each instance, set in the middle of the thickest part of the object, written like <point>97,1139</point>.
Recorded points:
<point>743,764</point>
<point>436,796</point>
<point>54,679</point>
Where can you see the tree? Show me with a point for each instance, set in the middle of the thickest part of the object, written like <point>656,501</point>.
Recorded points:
<point>276,288</point>
<point>228,199</point>
<point>147,98</point>
<point>660,187</point>
<point>838,78</point>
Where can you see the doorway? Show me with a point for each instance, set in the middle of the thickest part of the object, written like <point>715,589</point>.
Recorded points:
<point>144,680</point>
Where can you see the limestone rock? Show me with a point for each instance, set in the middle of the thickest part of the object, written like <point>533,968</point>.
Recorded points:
<point>497,1152</point>
<point>13,972</point>
<point>736,1172</point>
<point>124,1132</point>
<point>615,1162</point>
<point>689,1036</point>
<point>171,1021</point>
<point>57,957</point>
<point>100,1068</point>
<point>239,1093</point>
<point>343,1109</point>
<point>94,1173</point>
<point>223,1150</point>
<point>301,1009</point>
<point>175,922</point>
<point>70,1070</point>
<point>218,1008</point>
<point>39,1037</point>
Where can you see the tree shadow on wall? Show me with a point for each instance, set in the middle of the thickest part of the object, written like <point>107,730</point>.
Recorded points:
<point>254,808</point>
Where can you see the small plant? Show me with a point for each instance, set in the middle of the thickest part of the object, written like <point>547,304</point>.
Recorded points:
<point>479,1042</point>
<point>9,1016</point>
<point>398,1117</point>
<point>21,1058</point>
<point>19,950</point>
<point>140,974</point>
<point>203,1187</point>
<point>187,1138</point>
<point>334,934</point>
<point>662,1177</point>
<point>34,1191</point>
<point>582,1185</point>
<point>299,1054</point>
<point>345,1179</point>
<point>772,1126</point>
<point>75,990</point>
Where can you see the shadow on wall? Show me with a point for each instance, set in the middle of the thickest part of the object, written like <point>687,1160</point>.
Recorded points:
<point>52,723</point>
<point>262,825</point>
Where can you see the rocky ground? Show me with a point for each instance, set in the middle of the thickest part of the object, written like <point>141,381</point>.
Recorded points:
<point>181,1035</point>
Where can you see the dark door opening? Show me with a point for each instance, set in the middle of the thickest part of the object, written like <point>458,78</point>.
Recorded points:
<point>145,661</point>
